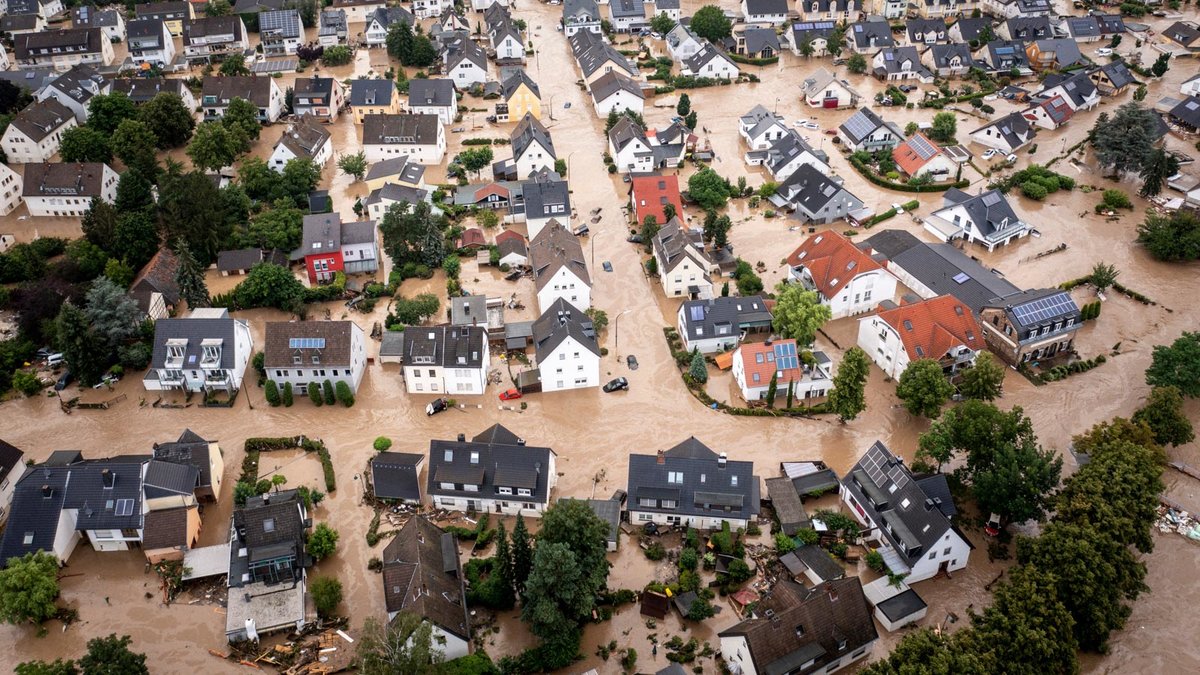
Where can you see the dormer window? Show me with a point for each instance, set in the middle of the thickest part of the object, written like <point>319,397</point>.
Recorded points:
<point>296,360</point>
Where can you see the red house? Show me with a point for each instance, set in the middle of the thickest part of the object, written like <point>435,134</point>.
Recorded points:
<point>650,194</point>
<point>331,246</point>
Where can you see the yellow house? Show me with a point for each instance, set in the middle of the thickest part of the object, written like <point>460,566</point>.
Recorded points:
<point>172,13</point>
<point>373,97</point>
<point>521,95</point>
<point>395,170</point>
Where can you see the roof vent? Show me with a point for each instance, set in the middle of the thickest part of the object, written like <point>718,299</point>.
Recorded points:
<point>47,491</point>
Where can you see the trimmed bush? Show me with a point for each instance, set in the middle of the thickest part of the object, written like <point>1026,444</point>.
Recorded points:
<point>382,444</point>
<point>344,395</point>
<point>272,394</point>
<point>327,389</point>
<point>314,394</point>
<point>287,394</point>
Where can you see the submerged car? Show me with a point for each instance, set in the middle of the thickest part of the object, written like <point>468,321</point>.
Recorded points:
<point>616,385</point>
<point>436,406</point>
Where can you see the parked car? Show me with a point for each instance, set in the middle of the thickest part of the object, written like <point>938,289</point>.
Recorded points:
<point>616,385</point>
<point>907,88</point>
<point>54,360</point>
<point>1011,159</point>
<point>634,239</point>
<point>1104,51</point>
<point>807,124</point>
<point>436,406</point>
<point>64,380</point>
<point>990,153</point>
<point>510,395</point>
<point>631,361</point>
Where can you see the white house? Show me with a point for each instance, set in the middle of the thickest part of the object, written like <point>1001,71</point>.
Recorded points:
<point>710,63</point>
<point>1078,90</point>
<point>332,28</point>
<point>765,12</point>
<point>321,97</point>
<point>867,131</point>
<point>941,328</point>
<point>446,359</point>
<point>261,90</point>
<point>627,15</point>
<point>580,15</point>
<point>559,269</point>
<point>10,190</point>
<point>823,90</point>
<point>11,470</point>
<point>421,137</point>
<point>682,43</point>
<point>668,7</point>
<point>36,132</point>
<point>380,20</point>
<point>205,351</point>
<point>63,189</point>
<point>494,472</point>
<point>987,219</point>
<point>684,268</point>
<point>301,353</point>
<point>566,351</point>
<point>899,64</point>
<point>615,91</point>
<point>547,202</point>
<point>755,364</point>
<point>816,197</point>
<point>281,32</point>
<point>431,9</point>
<point>630,148</point>
<point>909,519</point>
<point>810,35</point>
<point>422,575</point>
<point>150,42</point>
<point>845,278</point>
<point>718,324</point>
<point>760,128</point>
<point>918,156</point>
<point>1006,134</point>
<point>533,149</point>
<point>465,63</point>
<point>433,97</point>
<point>63,49</point>
<point>305,139</point>
<point>788,154</point>
<point>75,89</point>
<point>109,21</point>
<point>214,37</point>
<point>690,485</point>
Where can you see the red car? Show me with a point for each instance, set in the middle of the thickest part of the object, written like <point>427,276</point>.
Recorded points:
<point>510,395</point>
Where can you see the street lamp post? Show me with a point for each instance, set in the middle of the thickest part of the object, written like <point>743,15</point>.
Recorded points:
<point>593,245</point>
<point>617,333</point>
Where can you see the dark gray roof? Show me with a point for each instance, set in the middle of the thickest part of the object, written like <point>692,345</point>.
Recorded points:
<point>195,331</point>
<point>436,92</point>
<point>989,211</point>
<point>626,131</point>
<point>332,22</point>
<point>766,7</point>
<point>758,39</point>
<point>73,483</point>
<point>396,475</point>
<point>573,7</point>
<point>942,53</point>
<point>608,510</point>
<point>10,456</point>
<point>901,605</point>
<point>895,58</point>
<point>919,29</point>
<point>820,562</point>
<point>673,244</point>
<point>1188,111</point>
<point>1083,26</point>
<point>163,10</point>
<point>556,324</point>
<point>372,91</point>
<point>808,187</point>
<point>386,15</point>
<point>789,510</point>
<point>142,89</point>
<point>595,54</point>
<point>1034,308</point>
<point>446,346</point>
<point>42,118</point>
<point>527,132</point>
<point>400,129</point>
<point>164,479</point>
<point>1066,51</point>
<point>322,234</point>
<point>219,91</point>
<point>212,26</point>
<point>546,199</point>
<point>272,525</point>
<point>885,489</point>
<point>14,22</point>
<point>705,488</point>
<point>787,148</point>
<point>305,137</point>
<point>496,464</point>
<point>94,17</point>
<point>871,34</point>
<point>59,179</point>
<point>409,171</point>
<point>422,574</point>
<point>552,249</point>
<point>722,316</point>
<point>245,258</point>
<point>706,53</point>
<point>1078,86</point>
<point>1118,74</point>
<point>969,28</point>
<point>516,79</point>
<point>331,342</point>
<point>191,450</point>
<point>611,83</point>
<point>464,49</point>
<point>631,8</point>
<point>280,25</point>
<point>1013,127</point>
<point>938,489</point>
<point>1006,54</point>
<point>939,266</point>
<point>863,123</point>
<point>1110,23</point>
<point>392,343</point>
<point>396,193</point>
<point>1029,28</point>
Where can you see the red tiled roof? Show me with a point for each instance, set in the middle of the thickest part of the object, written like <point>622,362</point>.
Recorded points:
<point>832,260</point>
<point>935,326</point>
<point>650,193</point>
<point>751,364</point>
<point>909,155</point>
<point>508,234</point>
<point>472,236</point>
<point>491,189</point>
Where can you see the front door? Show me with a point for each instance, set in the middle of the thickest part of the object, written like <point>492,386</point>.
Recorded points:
<point>944,567</point>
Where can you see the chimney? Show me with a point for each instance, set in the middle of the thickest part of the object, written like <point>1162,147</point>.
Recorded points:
<point>266,498</point>
<point>462,438</point>
<point>47,491</point>
<point>109,479</point>
<point>928,504</point>
<point>721,461</point>
<point>662,457</point>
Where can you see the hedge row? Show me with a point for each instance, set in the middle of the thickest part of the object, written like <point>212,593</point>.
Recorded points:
<point>940,103</point>
<point>738,58</point>
<point>1063,372</point>
<point>255,446</point>
<point>883,182</point>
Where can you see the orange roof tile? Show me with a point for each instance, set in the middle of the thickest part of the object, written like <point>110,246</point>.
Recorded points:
<point>650,193</point>
<point>832,260</point>
<point>930,328</point>
<point>914,153</point>
<point>758,358</point>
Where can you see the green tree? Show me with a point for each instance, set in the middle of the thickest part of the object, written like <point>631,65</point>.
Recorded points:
<point>113,315</point>
<point>326,594</point>
<point>1103,275</point>
<point>984,380</point>
<point>911,128</point>
<point>923,388</point>
<point>522,554</point>
<point>99,224</point>
<point>338,55</point>
<point>977,429</point>
<point>572,522</point>
<point>1163,413</point>
<point>87,259</point>
<point>314,395</point>
<point>1027,628</point>
<point>288,399</point>
<point>137,237</point>
<point>707,188</point>
<point>322,543</point>
<point>848,396</point>
<point>106,111</point>
<point>558,595</point>
<point>1177,365</point>
<point>58,667</point>
<point>189,277</point>
<point>242,115</point>
<point>944,127</point>
<point>475,159</point>
<point>698,370</point>
<point>270,286</point>
<point>344,395</point>
<point>82,349</point>
<point>134,144</point>
<point>84,144</point>
<point>925,651</point>
<point>168,118</point>
<point>26,382</point>
<point>1157,167</point>
<point>857,63</point>
<point>135,192</point>
<point>650,228</point>
<point>213,146</point>
<point>1017,482</point>
<point>328,393</point>
<point>403,645</point>
<point>1123,141</point>
<point>234,64</point>
<point>408,229</point>
<point>1161,65</point>
<point>29,588</point>
<point>278,228</point>
<point>1173,237</point>
<point>271,393</point>
<point>684,106</point>
<point>300,176</point>
<point>710,23</point>
<point>799,313</point>
<point>662,24</point>
<point>502,568</point>
<point>353,165</point>
<point>119,272</point>
<point>111,656</point>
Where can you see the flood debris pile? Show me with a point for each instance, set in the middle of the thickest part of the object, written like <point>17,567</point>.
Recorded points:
<point>323,647</point>
<point>1174,519</point>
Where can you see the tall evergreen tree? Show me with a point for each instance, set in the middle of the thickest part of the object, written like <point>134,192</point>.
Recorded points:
<point>522,554</point>
<point>502,564</point>
<point>190,278</point>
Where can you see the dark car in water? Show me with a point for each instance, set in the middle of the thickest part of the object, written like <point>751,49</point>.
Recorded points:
<point>616,385</point>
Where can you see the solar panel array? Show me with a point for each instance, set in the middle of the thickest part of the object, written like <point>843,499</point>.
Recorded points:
<point>859,125</point>
<point>785,356</point>
<point>922,147</point>
<point>306,343</point>
<point>1044,309</point>
<point>281,22</point>
<point>876,463</point>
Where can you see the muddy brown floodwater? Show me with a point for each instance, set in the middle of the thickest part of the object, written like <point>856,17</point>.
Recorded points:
<point>593,432</point>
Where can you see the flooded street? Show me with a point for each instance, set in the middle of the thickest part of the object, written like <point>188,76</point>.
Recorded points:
<point>592,432</point>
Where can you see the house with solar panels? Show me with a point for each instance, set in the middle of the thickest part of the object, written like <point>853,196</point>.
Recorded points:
<point>986,219</point>
<point>908,517</point>
<point>868,36</point>
<point>304,352</point>
<point>809,375</point>
<point>815,34</point>
<point>281,32</point>
<point>867,131</point>
<point>918,156</point>
<point>1004,56</point>
<point>1030,325</point>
